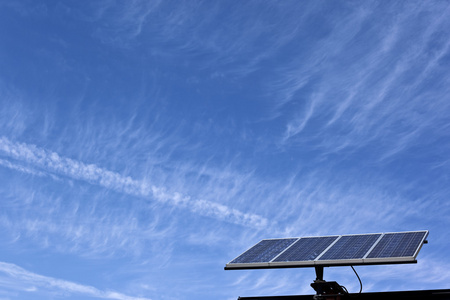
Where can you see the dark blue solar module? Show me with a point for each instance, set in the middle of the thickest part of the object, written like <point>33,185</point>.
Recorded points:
<point>402,244</point>
<point>350,247</point>
<point>358,249</point>
<point>264,251</point>
<point>306,249</point>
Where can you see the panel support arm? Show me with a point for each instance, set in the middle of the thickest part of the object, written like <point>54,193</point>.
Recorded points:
<point>319,273</point>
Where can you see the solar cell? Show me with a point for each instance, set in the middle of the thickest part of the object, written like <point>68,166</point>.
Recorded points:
<point>350,247</point>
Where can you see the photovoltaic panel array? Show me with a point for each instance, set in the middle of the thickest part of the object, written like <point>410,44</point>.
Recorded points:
<point>357,249</point>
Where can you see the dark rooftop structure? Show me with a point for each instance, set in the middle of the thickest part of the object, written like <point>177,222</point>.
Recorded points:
<point>413,295</point>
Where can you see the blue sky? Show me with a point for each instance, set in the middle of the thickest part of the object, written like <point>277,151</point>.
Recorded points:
<point>145,144</point>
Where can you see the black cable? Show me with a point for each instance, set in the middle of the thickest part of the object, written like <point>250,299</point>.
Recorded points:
<point>345,289</point>
<point>360,282</point>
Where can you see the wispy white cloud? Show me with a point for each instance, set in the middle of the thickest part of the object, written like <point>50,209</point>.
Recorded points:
<point>122,22</point>
<point>32,282</point>
<point>47,161</point>
<point>375,96</point>
<point>296,74</point>
<point>296,126</point>
<point>49,224</point>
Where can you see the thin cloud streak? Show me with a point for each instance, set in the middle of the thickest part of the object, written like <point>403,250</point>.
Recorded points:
<point>369,90</point>
<point>52,162</point>
<point>23,169</point>
<point>28,278</point>
<point>128,20</point>
<point>295,127</point>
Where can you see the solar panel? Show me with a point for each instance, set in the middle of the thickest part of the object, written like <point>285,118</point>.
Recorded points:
<point>351,247</point>
<point>398,245</point>
<point>306,249</point>
<point>357,249</point>
<point>264,251</point>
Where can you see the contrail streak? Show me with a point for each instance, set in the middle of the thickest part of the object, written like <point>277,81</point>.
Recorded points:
<point>41,161</point>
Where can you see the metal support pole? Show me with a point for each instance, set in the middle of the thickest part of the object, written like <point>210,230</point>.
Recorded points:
<point>319,273</point>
